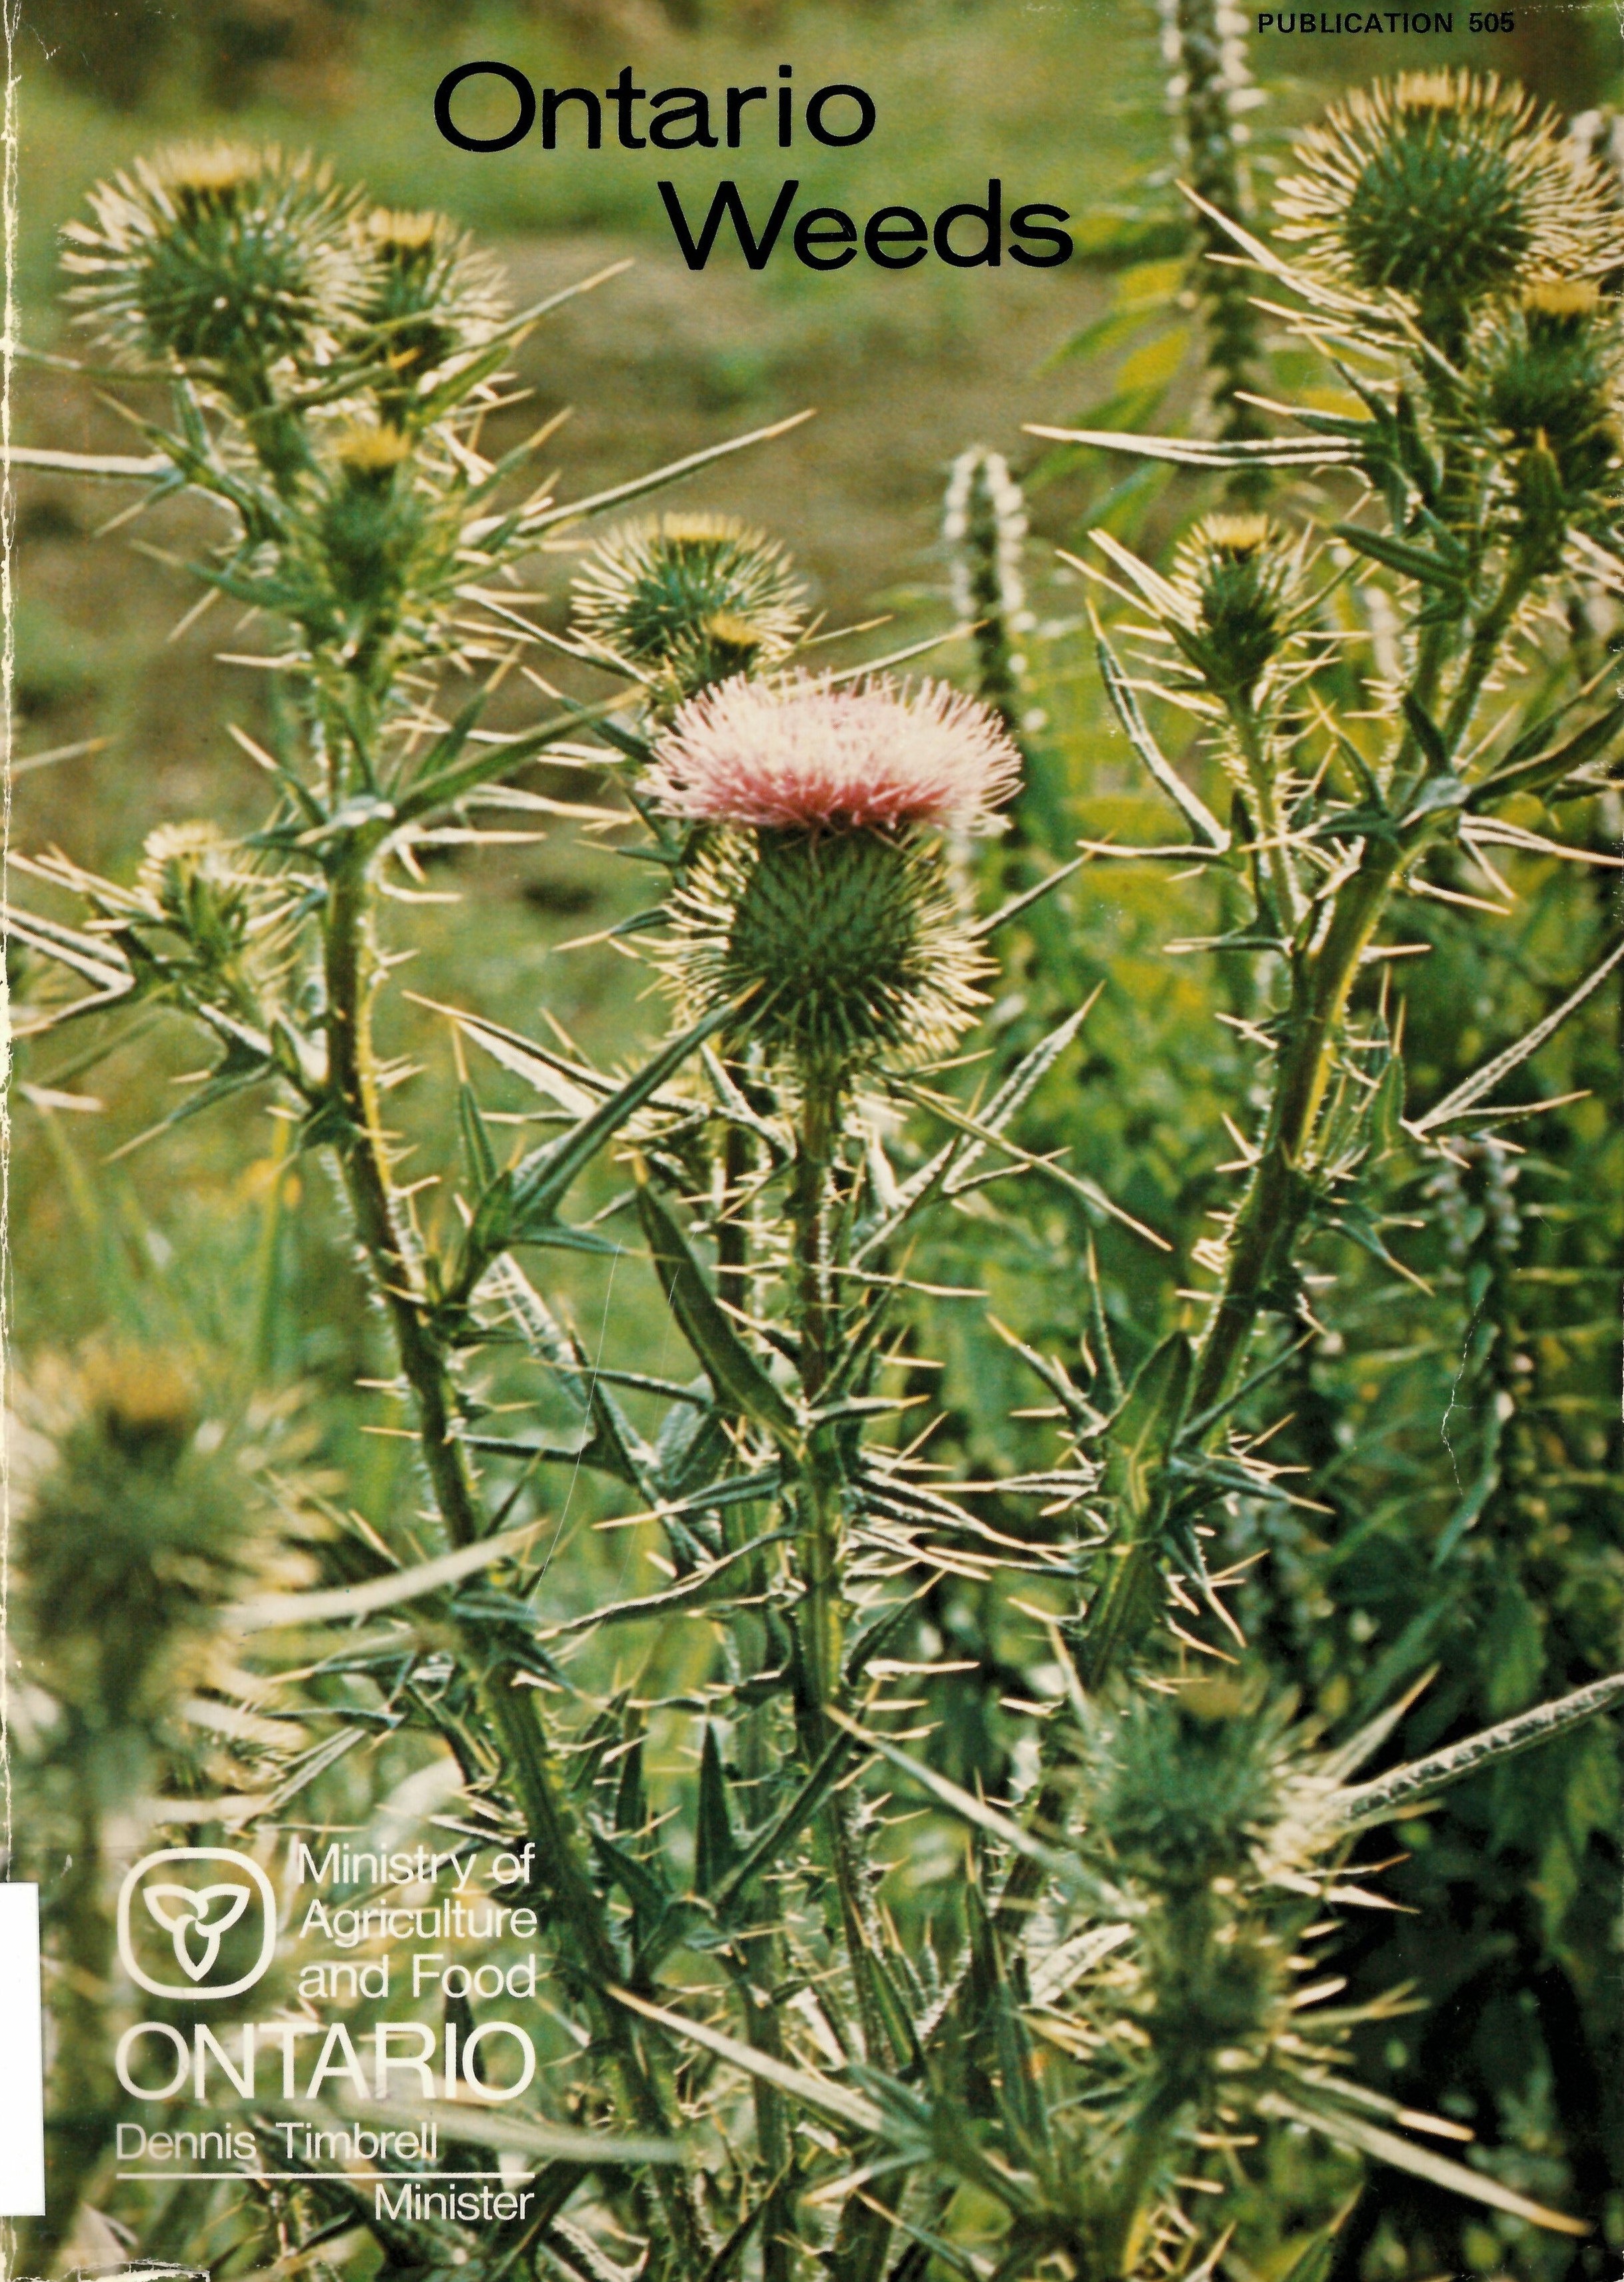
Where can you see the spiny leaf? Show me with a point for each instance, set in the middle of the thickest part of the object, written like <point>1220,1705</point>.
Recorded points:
<point>1195,452</point>
<point>767,1846</point>
<point>1149,1422</point>
<point>1537,771</point>
<point>727,2256</point>
<point>1485,1080</point>
<point>1025,902</point>
<point>339,1604</point>
<point>1420,2162</point>
<point>110,466</point>
<point>91,956</point>
<point>599,502</point>
<point>951,1166</point>
<point>735,1373</point>
<point>1077,1184</point>
<point>960,1802</point>
<point>462,775</point>
<point>520,2135</point>
<point>476,1136</point>
<point>693,1591</point>
<point>1426,733</point>
<point>715,1845</point>
<point>1125,704</point>
<point>639,1881</point>
<point>541,1180</point>
<point>614,1439</point>
<point>1371,1802</point>
<point>1410,562</point>
<point>631,1793</point>
<point>1312,2262</point>
<point>812,2090</point>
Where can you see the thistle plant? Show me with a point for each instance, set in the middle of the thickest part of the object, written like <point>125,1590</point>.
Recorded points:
<point>819,904</point>
<point>1473,536</point>
<point>764,2045</point>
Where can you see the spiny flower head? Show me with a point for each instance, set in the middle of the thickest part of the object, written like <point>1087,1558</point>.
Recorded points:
<point>1183,1788</point>
<point>370,518</point>
<point>1549,370</point>
<point>1447,186</point>
<point>202,922</point>
<point>843,947</point>
<point>217,257</point>
<point>823,896</point>
<point>128,1505</point>
<point>427,296</point>
<point>369,453</point>
<point>192,880</point>
<point>803,753</point>
<point>1241,578</point>
<point>689,599</point>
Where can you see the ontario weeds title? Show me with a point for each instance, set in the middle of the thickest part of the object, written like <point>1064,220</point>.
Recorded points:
<point>974,234</point>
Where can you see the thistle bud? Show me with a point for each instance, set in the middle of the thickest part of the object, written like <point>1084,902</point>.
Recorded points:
<point>689,599</point>
<point>821,896</point>
<point>1183,1795</point>
<point>1549,370</point>
<point>126,1504</point>
<point>1184,1787</point>
<point>1448,187</point>
<point>370,518</point>
<point>193,881</point>
<point>427,296</point>
<point>1240,577</point>
<point>228,916</point>
<point>219,259</point>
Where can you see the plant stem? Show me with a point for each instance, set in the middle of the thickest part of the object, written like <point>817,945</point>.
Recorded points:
<point>351,978</point>
<point>352,973</point>
<point>762,2030</point>
<point>1122,2237</point>
<point>820,1498</point>
<point>1279,1194</point>
<point>822,1512</point>
<point>1262,782</point>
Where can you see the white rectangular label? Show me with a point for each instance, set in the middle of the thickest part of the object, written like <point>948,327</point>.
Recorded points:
<point>22,2099</point>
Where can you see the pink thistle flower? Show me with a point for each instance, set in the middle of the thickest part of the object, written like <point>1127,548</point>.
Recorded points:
<point>800,752</point>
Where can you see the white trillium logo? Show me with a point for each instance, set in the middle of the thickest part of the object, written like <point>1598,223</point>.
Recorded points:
<point>207,1912</point>
<point>196,1919</point>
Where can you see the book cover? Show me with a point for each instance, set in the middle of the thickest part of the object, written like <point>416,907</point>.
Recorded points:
<point>813,1181</point>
